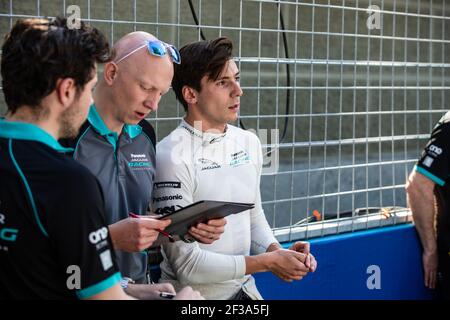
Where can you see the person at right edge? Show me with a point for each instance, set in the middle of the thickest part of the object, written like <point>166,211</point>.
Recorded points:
<point>206,158</point>
<point>428,195</point>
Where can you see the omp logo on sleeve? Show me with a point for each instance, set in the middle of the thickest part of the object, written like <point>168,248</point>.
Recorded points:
<point>99,235</point>
<point>434,149</point>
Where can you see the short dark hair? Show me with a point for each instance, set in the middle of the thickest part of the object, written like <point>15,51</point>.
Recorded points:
<point>199,59</point>
<point>38,52</point>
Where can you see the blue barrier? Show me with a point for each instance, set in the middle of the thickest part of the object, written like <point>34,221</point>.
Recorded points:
<point>343,262</point>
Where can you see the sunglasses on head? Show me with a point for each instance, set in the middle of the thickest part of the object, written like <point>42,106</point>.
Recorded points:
<point>159,49</point>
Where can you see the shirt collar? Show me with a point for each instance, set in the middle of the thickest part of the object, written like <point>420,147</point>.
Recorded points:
<point>96,121</point>
<point>31,132</point>
<point>205,136</point>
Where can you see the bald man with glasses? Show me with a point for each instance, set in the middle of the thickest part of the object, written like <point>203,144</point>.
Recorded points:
<point>117,145</point>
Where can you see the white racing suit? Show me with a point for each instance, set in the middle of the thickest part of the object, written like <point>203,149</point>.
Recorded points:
<point>191,166</point>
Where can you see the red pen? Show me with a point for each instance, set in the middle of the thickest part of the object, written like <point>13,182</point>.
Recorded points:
<point>164,233</point>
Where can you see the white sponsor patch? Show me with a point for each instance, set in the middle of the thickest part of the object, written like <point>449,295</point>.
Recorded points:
<point>428,161</point>
<point>105,257</point>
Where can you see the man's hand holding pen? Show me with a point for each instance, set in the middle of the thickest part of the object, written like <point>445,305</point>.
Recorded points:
<point>165,234</point>
<point>136,233</point>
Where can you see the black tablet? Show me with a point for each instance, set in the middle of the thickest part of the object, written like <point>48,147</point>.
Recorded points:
<point>201,211</point>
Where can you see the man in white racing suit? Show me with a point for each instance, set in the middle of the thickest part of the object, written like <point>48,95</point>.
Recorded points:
<point>205,158</point>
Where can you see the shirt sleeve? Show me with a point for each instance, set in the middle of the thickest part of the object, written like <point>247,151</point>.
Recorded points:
<point>191,264</point>
<point>434,162</point>
<point>79,233</point>
<point>174,189</point>
<point>261,234</point>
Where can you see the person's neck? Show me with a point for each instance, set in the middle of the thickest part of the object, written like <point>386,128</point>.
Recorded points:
<point>27,115</point>
<point>193,119</point>
<point>104,106</point>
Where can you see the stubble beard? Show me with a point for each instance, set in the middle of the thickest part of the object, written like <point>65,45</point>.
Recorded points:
<point>69,128</point>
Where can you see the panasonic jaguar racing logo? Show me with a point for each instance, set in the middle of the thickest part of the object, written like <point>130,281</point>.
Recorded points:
<point>208,164</point>
<point>239,158</point>
<point>139,161</point>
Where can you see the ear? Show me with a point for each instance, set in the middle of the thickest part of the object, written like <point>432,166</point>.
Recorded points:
<point>190,95</point>
<point>66,91</point>
<point>110,72</point>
